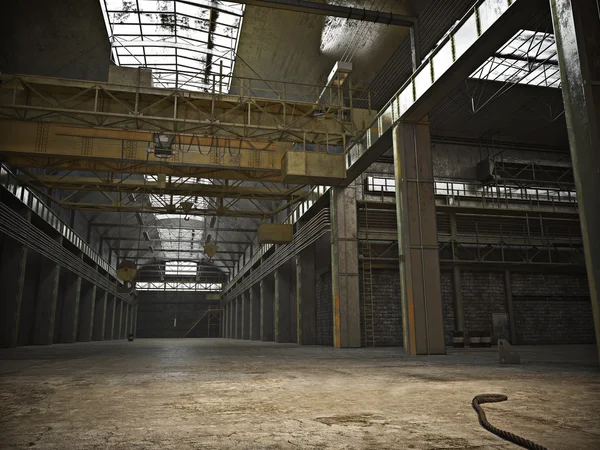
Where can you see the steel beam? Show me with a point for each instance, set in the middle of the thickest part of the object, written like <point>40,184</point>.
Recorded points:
<point>291,114</point>
<point>159,188</point>
<point>577,27</point>
<point>147,209</point>
<point>183,226</point>
<point>479,34</point>
<point>326,9</point>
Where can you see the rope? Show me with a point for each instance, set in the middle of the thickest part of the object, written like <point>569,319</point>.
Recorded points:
<point>506,435</point>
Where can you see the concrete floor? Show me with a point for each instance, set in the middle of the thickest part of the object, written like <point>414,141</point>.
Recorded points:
<point>217,393</point>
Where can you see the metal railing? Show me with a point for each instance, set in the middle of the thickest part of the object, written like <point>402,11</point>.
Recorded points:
<point>451,47</point>
<point>35,203</point>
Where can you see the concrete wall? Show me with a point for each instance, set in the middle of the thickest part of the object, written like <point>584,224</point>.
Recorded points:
<point>157,312</point>
<point>57,38</point>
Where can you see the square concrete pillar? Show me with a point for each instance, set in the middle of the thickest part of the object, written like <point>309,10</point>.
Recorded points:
<point>100,315</point>
<point>13,262</point>
<point>344,268</point>
<point>120,327</point>
<point>70,312</point>
<point>45,313</point>
<point>87,307</point>
<point>237,312</point>
<point>245,316</point>
<point>111,307</point>
<point>576,28</point>
<point>422,314</point>
<point>134,323</point>
<point>281,299</point>
<point>306,296</point>
<point>267,291</point>
<point>127,321</point>
<point>255,312</point>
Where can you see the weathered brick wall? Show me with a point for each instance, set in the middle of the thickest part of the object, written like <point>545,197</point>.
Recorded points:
<point>447,287</point>
<point>552,308</point>
<point>483,294</point>
<point>387,309</point>
<point>157,311</point>
<point>324,308</point>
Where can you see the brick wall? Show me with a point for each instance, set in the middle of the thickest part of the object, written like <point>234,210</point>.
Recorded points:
<point>552,308</point>
<point>447,287</point>
<point>387,308</point>
<point>483,294</point>
<point>157,311</point>
<point>324,306</point>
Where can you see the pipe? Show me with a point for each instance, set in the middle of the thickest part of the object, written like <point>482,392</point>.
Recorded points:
<point>325,9</point>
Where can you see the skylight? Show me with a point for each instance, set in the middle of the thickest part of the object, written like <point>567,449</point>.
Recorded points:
<point>188,44</point>
<point>529,57</point>
<point>189,268</point>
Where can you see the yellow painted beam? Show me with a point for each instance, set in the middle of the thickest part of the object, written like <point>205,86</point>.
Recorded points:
<point>291,115</point>
<point>45,145</point>
<point>161,187</point>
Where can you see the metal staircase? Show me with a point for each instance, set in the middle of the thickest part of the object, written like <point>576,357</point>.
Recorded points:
<point>367,280</point>
<point>212,312</point>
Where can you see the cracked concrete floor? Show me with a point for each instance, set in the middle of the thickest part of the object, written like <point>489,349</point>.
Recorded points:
<point>218,393</point>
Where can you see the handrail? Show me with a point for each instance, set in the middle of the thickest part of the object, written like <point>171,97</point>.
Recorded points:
<point>35,203</point>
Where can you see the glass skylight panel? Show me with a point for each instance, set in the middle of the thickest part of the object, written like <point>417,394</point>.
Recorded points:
<point>189,268</point>
<point>188,44</point>
<point>529,57</point>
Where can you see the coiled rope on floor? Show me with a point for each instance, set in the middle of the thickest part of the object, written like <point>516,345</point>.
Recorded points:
<point>506,435</point>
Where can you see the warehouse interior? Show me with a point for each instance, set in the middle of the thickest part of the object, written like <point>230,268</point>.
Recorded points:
<point>299,224</point>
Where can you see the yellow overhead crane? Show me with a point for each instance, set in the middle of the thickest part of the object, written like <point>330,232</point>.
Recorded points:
<point>60,124</point>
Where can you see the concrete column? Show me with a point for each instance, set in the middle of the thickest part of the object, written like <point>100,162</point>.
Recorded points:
<point>254,312</point>
<point>237,312</point>
<point>510,308</point>
<point>87,309</point>
<point>45,313</point>
<point>128,317</point>
<point>267,291</point>
<point>459,310</point>
<point>13,262</point>
<point>422,314</point>
<point>245,318</point>
<point>100,315</point>
<point>224,322</point>
<point>344,268</point>
<point>135,315</point>
<point>282,302</point>
<point>110,317</point>
<point>306,296</point>
<point>576,28</point>
<point>119,319</point>
<point>70,320</point>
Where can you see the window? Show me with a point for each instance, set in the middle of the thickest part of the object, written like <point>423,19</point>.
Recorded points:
<point>380,184</point>
<point>179,287</point>
<point>183,268</point>
<point>529,57</point>
<point>188,44</point>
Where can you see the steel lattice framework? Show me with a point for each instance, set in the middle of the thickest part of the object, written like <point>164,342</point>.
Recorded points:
<point>188,44</point>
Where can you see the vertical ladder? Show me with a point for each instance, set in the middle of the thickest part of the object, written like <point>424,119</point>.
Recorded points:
<point>367,279</point>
